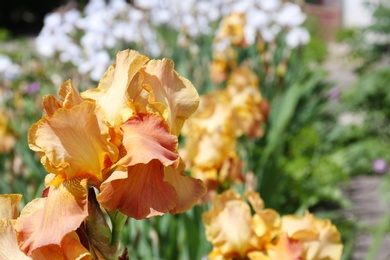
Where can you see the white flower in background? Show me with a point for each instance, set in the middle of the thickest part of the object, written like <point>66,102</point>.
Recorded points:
<point>350,119</point>
<point>270,5</point>
<point>8,69</point>
<point>297,36</point>
<point>290,15</point>
<point>106,25</point>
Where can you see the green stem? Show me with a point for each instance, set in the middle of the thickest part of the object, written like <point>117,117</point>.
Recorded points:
<point>118,220</point>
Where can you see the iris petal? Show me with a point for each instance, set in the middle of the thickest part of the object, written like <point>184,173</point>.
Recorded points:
<point>138,191</point>
<point>46,221</point>
<point>146,137</point>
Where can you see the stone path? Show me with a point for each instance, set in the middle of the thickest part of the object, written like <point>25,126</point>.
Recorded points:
<point>367,208</point>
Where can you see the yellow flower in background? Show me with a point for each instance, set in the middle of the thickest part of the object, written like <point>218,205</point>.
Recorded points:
<point>7,139</point>
<point>234,231</point>
<point>211,134</point>
<point>250,108</point>
<point>237,234</point>
<point>120,138</point>
<point>320,237</point>
<point>232,29</point>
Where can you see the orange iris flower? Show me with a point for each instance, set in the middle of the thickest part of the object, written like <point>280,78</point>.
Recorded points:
<point>70,247</point>
<point>120,138</point>
<point>236,233</point>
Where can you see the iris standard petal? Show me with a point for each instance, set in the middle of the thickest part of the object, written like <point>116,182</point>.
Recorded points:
<point>173,96</point>
<point>111,93</point>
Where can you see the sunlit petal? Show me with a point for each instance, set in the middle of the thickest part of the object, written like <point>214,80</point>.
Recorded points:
<point>145,138</point>
<point>75,141</point>
<point>173,96</point>
<point>112,92</point>
<point>46,221</point>
<point>139,191</point>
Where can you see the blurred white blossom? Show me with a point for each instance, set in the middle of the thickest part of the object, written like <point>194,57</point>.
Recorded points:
<point>297,36</point>
<point>8,69</point>
<point>82,36</point>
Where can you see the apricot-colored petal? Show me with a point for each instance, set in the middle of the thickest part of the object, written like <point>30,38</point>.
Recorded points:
<point>50,104</point>
<point>229,225</point>
<point>69,94</point>
<point>255,200</point>
<point>46,221</point>
<point>173,96</point>
<point>145,138</point>
<point>139,192</point>
<point>75,141</point>
<point>266,224</point>
<point>9,248</point>
<point>286,248</point>
<point>111,94</point>
<point>70,249</point>
<point>189,190</point>
<point>9,204</point>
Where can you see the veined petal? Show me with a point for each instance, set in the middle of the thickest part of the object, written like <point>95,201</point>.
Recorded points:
<point>138,191</point>
<point>9,248</point>
<point>145,138</point>
<point>111,93</point>
<point>46,221</point>
<point>9,204</point>
<point>75,141</point>
<point>173,96</point>
<point>70,249</point>
<point>189,190</point>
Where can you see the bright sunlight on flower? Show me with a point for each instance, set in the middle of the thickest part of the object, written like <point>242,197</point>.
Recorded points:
<point>121,139</point>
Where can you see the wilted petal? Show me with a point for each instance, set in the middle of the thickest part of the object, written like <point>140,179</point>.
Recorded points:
<point>188,189</point>
<point>139,191</point>
<point>70,249</point>
<point>173,96</point>
<point>75,141</point>
<point>46,221</point>
<point>9,248</point>
<point>111,93</point>
<point>145,138</point>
